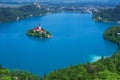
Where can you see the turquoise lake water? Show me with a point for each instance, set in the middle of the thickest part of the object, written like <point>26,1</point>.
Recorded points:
<point>76,39</point>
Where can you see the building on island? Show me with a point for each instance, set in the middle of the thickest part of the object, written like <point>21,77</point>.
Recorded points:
<point>118,33</point>
<point>38,29</point>
<point>39,32</point>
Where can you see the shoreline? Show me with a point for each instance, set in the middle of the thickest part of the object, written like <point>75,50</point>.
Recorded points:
<point>45,14</point>
<point>106,21</point>
<point>27,18</point>
<point>56,13</point>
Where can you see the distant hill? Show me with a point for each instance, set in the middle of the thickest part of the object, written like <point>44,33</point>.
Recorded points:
<point>26,11</point>
<point>61,0</point>
<point>107,15</point>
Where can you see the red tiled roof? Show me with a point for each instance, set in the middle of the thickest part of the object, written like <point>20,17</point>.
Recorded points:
<point>37,28</point>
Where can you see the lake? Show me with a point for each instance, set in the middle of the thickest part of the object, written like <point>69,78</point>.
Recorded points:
<point>76,39</point>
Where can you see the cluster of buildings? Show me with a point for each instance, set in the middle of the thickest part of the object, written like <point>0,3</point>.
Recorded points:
<point>37,5</point>
<point>72,8</point>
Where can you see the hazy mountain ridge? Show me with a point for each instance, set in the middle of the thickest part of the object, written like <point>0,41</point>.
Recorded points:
<point>60,0</point>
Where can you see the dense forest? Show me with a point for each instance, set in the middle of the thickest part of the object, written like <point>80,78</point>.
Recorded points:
<point>104,69</point>
<point>18,13</point>
<point>6,74</point>
<point>105,15</point>
<point>113,34</point>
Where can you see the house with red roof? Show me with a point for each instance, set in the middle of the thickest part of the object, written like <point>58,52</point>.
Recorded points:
<point>38,29</point>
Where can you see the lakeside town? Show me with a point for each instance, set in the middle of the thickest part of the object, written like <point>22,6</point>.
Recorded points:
<point>63,7</point>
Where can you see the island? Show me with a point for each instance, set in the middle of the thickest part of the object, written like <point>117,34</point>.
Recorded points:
<point>39,32</point>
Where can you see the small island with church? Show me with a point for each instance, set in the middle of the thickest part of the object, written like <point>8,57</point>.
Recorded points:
<point>39,32</point>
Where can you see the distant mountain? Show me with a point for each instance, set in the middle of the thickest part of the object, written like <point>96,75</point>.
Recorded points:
<point>60,0</point>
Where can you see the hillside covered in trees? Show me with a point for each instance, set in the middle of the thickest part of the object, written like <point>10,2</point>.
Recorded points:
<point>104,69</point>
<point>18,13</point>
<point>113,34</point>
<point>6,74</point>
<point>106,15</point>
